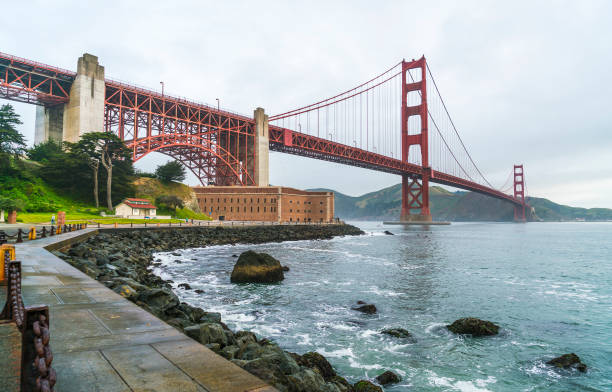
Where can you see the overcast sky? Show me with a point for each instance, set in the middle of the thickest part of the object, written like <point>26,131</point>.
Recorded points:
<point>526,82</point>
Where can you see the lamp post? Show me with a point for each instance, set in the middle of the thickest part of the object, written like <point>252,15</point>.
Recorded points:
<point>162,84</point>
<point>218,105</point>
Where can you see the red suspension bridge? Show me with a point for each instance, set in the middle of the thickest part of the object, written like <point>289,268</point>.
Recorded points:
<point>396,123</point>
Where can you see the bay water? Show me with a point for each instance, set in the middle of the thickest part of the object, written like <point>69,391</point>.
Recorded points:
<point>548,286</point>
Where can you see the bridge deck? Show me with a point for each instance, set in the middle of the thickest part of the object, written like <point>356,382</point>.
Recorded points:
<point>103,342</point>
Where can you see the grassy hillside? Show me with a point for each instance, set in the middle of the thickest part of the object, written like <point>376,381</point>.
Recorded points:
<point>456,206</point>
<point>40,201</point>
<point>152,188</point>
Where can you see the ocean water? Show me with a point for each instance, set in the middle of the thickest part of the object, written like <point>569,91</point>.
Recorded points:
<point>548,285</point>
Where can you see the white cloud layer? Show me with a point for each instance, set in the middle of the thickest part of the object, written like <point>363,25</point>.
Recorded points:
<point>526,82</point>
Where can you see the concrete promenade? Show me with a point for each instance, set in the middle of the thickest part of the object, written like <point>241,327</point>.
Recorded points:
<point>103,342</point>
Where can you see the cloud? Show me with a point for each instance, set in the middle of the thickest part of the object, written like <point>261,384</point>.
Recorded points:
<point>524,81</point>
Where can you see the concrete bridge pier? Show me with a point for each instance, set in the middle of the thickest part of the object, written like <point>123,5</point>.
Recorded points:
<point>262,149</point>
<point>83,113</point>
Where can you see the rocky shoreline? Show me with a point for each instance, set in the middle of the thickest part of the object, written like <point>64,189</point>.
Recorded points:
<point>123,261</point>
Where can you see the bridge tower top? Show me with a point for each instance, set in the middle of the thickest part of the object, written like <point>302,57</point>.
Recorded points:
<point>519,193</point>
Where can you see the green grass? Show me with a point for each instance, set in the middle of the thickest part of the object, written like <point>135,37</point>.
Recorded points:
<point>189,214</point>
<point>122,221</point>
<point>45,217</point>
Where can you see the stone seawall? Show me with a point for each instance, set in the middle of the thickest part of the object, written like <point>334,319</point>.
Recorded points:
<point>122,260</point>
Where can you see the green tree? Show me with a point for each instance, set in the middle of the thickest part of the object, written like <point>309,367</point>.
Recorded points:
<point>12,143</point>
<point>42,152</point>
<point>171,171</point>
<point>112,149</point>
<point>73,170</point>
<point>88,150</point>
<point>169,201</point>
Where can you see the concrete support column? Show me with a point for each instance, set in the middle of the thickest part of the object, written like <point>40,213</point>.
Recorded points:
<point>49,124</point>
<point>85,110</point>
<point>262,149</point>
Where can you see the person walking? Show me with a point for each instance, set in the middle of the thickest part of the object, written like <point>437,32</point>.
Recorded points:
<point>53,220</point>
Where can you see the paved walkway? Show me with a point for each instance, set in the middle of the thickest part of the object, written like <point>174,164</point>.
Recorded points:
<point>103,342</point>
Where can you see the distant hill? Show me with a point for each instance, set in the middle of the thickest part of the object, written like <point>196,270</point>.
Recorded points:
<point>456,206</point>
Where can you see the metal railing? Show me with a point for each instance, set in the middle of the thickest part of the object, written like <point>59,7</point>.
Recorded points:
<point>33,323</point>
<point>33,234</point>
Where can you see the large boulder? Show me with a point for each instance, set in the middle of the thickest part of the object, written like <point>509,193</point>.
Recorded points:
<point>208,333</point>
<point>318,363</point>
<point>253,267</point>
<point>365,308</point>
<point>244,338</point>
<point>473,326</point>
<point>567,361</point>
<point>388,377</point>
<point>306,380</point>
<point>159,299</point>
<point>366,386</point>
<point>397,333</point>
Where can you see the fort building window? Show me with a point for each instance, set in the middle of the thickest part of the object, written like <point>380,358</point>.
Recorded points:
<point>264,209</point>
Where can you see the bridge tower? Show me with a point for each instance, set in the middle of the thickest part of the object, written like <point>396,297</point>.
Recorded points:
<point>84,111</point>
<point>415,191</point>
<point>519,193</point>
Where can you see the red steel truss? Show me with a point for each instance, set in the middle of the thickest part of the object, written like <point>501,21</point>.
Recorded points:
<point>31,82</point>
<point>217,146</point>
<point>519,193</point>
<point>291,142</point>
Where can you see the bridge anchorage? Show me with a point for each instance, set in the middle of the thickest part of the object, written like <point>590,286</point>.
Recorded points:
<point>396,122</point>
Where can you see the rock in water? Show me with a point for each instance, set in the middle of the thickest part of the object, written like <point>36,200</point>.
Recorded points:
<point>317,361</point>
<point>387,232</point>
<point>366,386</point>
<point>365,308</point>
<point>253,267</point>
<point>567,361</point>
<point>473,326</point>
<point>397,332</point>
<point>388,377</point>
<point>285,268</point>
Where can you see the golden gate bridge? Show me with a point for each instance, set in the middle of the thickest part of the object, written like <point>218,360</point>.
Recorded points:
<point>396,122</point>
